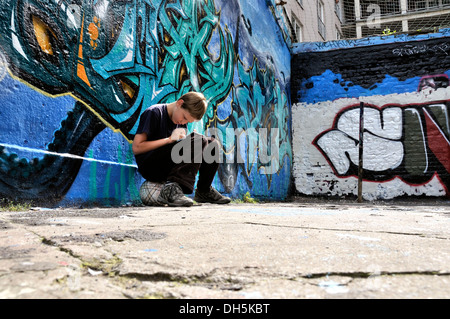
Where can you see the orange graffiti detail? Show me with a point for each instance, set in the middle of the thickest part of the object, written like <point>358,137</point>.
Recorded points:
<point>93,32</point>
<point>43,35</point>
<point>81,71</point>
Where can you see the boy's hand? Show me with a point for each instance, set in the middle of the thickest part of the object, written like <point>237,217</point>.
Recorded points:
<point>178,134</point>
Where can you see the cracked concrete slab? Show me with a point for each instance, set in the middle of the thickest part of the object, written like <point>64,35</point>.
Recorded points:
<point>265,250</point>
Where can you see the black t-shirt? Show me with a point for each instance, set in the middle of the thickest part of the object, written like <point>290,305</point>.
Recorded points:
<point>156,123</point>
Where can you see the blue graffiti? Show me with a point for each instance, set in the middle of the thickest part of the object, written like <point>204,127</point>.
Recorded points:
<point>116,58</point>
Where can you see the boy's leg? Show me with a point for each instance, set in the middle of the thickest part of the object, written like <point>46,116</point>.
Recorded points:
<point>185,173</point>
<point>156,169</point>
<point>157,166</point>
<point>209,166</point>
<point>205,193</point>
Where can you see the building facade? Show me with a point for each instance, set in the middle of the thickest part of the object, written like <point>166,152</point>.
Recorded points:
<point>314,20</point>
<point>328,20</point>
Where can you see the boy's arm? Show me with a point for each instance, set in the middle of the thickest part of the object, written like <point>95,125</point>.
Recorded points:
<point>141,145</point>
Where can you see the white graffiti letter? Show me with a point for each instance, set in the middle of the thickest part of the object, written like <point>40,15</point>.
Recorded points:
<point>339,148</point>
<point>383,148</point>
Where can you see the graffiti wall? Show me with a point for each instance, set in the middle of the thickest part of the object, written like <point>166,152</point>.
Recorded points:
<point>398,88</point>
<point>75,76</point>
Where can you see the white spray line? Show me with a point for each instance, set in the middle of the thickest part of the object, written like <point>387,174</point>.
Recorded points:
<point>33,150</point>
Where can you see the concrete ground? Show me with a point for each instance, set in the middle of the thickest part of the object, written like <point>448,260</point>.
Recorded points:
<point>298,249</point>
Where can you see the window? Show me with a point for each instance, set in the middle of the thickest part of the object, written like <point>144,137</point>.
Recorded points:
<point>384,7</point>
<point>297,29</point>
<point>320,10</point>
<point>338,10</point>
<point>338,34</point>
<point>321,18</point>
<point>426,4</point>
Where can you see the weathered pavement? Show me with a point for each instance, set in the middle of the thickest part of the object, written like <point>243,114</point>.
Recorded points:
<point>240,251</point>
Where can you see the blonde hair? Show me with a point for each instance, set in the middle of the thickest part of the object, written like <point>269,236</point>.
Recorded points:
<point>195,103</point>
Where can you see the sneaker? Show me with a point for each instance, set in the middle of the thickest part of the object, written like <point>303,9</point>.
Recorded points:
<point>172,195</point>
<point>211,196</point>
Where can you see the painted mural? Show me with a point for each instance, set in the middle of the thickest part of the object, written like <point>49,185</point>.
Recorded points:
<point>75,75</point>
<point>404,88</point>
